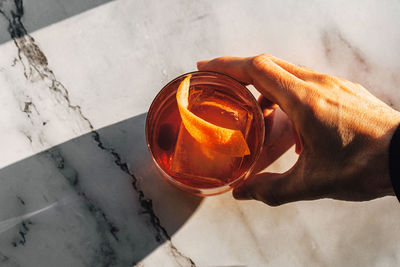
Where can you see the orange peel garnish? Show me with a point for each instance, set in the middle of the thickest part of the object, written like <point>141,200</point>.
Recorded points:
<point>223,140</point>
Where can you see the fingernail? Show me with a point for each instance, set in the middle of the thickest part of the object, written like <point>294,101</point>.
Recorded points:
<point>200,63</point>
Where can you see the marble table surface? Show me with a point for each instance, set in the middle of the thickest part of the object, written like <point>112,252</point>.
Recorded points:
<point>77,185</point>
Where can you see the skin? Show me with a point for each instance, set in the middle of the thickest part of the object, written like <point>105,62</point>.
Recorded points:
<point>342,133</point>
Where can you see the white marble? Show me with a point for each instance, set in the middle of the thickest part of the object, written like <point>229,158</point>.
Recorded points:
<point>74,101</point>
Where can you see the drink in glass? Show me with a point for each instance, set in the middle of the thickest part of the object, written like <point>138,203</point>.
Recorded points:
<point>211,143</point>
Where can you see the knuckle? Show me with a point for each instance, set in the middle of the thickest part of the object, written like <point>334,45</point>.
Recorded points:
<point>258,62</point>
<point>222,60</point>
<point>324,79</point>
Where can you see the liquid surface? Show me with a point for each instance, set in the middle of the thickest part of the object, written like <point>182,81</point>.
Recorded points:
<point>190,162</point>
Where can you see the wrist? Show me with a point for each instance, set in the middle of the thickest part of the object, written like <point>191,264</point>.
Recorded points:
<point>380,163</point>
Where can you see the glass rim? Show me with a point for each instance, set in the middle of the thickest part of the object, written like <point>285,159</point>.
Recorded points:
<point>226,187</point>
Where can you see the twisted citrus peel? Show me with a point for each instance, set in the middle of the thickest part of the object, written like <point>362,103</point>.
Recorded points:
<point>223,140</point>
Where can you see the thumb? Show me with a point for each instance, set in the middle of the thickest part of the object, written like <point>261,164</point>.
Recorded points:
<point>273,189</point>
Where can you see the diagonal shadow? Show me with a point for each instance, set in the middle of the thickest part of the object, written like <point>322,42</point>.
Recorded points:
<point>41,13</point>
<point>75,204</point>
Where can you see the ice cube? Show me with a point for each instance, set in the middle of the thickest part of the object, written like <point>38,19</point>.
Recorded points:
<point>194,159</point>
<point>221,110</point>
<point>198,164</point>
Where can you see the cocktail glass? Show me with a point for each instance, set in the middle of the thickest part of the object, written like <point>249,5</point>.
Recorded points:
<point>196,167</point>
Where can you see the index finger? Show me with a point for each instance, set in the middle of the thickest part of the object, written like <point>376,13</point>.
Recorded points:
<point>270,79</point>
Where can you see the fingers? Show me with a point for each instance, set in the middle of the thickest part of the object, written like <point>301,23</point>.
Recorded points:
<point>273,189</point>
<point>223,62</point>
<point>235,67</point>
<point>270,78</point>
<point>299,71</point>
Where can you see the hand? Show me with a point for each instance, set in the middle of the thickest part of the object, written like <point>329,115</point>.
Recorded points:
<point>280,135</point>
<point>344,133</point>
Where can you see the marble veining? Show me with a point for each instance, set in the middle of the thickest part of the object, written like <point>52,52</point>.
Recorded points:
<point>356,66</point>
<point>36,69</point>
<point>331,39</point>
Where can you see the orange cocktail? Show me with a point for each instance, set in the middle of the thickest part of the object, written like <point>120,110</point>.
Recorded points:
<point>204,131</point>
